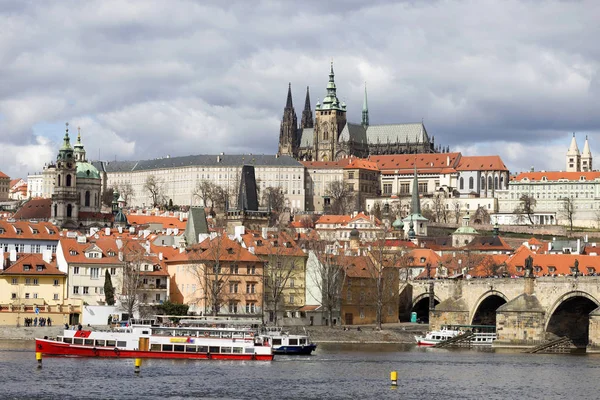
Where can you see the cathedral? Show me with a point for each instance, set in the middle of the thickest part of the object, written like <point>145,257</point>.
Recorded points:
<point>331,137</point>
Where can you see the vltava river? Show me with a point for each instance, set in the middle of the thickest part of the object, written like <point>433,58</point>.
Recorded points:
<point>334,372</point>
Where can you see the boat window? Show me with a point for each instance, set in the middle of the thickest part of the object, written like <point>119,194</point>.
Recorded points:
<point>213,349</point>
<point>167,347</point>
<point>226,334</point>
<point>77,341</point>
<point>237,350</point>
<point>67,340</point>
<point>226,350</point>
<point>145,332</point>
<point>276,341</point>
<point>202,349</point>
<point>101,343</point>
<point>191,349</point>
<point>155,347</point>
<point>121,343</point>
<point>249,350</point>
<point>238,334</point>
<point>179,347</point>
<point>111,343</point>
<point>302,341</point>
<point>89,342</point>
<point>293,342</point>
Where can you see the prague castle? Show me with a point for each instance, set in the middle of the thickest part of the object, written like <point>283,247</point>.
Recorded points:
<point>579,161</point>
<point>331,137</point>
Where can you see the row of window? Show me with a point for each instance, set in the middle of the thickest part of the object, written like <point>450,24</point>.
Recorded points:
<point>31,281</point>
<point>14,296</point>
<point>20,247</point>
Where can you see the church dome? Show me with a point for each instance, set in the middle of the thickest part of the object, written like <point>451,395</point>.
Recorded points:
<point>354,234</point>
<point>398,224</point>
<point>87,170</point>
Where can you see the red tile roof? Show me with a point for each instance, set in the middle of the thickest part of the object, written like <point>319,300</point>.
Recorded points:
<point>28,230</point>
<point>167,222</point>
<point>274,245</point>
<point>220,247</point>
<point>434,162</point>
<point>32,261</point>
<point>333,219</point>
<point>359,163</point>
<point>481,163</point>
<point>35,209</point>
<point>3,175</point>
<point>555,176</point>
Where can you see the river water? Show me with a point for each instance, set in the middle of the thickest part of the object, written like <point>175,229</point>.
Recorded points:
<point>333,372</point>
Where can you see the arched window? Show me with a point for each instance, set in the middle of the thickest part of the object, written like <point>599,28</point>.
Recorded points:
<point>87,198</point>
<point>471,183</point>
<point>69,210</point>
<point>483,183</point>
<point>59,180</point>
<point>490,183</point>
<point>502,181</point>
<point>68,180</point>
<point>496,182</point>
<point>462,183</point>
<point>55,209</point>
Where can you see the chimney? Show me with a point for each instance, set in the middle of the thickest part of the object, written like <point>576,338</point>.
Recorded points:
<point>107,231</point>
<point>160,256</point>
<point>47,256</point>
<point>264,232</point>
<point>448,161</point>
<point>175,231</point>
<point>578,246</point>
<point>120,228</point>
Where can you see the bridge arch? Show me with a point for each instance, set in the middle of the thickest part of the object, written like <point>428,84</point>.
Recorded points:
<point>569,316</point>
<point>484,312</point>
<point>421,306</point>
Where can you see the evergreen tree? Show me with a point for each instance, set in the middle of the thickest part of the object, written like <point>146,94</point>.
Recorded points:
<point>109,290</point>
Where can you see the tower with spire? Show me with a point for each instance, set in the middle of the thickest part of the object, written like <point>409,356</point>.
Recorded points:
<point>330,120</point>
<point>288,140</point>
<point>65,204</point>
<point>573,157</point>
<point>415,223</point>
<point>586,157</point>
<point>307,117</point>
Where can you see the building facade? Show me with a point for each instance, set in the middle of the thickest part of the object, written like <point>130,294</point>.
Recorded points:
<point>4,186</point>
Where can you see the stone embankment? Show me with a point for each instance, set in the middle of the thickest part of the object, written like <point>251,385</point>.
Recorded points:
<point>29,333</point>
<point>390,333</point>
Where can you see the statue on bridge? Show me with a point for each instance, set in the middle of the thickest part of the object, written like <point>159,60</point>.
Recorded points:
<point>576,268</point>
<point>528,267</point>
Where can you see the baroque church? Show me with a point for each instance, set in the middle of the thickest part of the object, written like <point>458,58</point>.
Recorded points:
<point>331,137</point>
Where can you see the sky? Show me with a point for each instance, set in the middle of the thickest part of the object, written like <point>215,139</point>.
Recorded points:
<point>147,79</point>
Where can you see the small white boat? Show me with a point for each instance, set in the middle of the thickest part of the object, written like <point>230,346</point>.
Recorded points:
<point>482,335</point>
<point>284,343</point>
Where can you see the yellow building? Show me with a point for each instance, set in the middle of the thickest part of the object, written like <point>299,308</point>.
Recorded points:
<point>33,287</point>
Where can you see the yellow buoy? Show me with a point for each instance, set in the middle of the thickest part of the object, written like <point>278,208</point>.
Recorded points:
<point>38,357</point>
<point>138,364</point>
<point>394,378</point>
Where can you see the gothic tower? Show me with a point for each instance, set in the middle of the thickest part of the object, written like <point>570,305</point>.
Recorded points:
<point>65,207</point>
<point>365,110</point>
<point>573,157</point>
<point>330,120</point>
<point>288,143</point>
<point>307,117</point>
<point>586,157</point>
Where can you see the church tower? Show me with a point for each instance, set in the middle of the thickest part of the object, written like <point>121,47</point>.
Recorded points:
<point>573,157</point>
<point>79,152</point>
<point>330,120</point>
<point>307,117</point>
<point>365,110</point>
<point>586,157</point>
<point>288,143</point>
<point>65,207</point>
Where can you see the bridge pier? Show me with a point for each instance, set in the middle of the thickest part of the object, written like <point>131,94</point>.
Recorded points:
<point>453,311</point>
<point>594,332</point>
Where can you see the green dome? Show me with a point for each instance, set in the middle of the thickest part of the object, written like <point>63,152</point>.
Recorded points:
<point>465,230</point>
<point>87,170</point>
<point>398,224</point>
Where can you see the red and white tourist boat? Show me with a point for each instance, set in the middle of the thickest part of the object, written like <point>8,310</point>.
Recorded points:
<point>189,339</point>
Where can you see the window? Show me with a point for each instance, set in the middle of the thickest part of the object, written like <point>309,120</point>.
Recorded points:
<point>27,295</point>
<point>94,273</point>
<point>404,188</point>
<point>292,282</point>
<point>250,287</point>
<point>351,175</point>
<point>39,268</point>
<point>250,308</point>
<point>157,298</point>
<point>27,281</point>
<point>251,270</point>
<point>26,267</point>
<point>422,187</point>
<point>55,296</point>
<point>86,290</point>
<point>35,295</point>
<point>75,289</point>
<point>233,287</point>
<point>292,299</point>
<point>471,183</point>
<point>56,282</point>
<point>233,307</point>
<point>13,296</point>
<point>75,270</point>
<point>234,269</point>
<point>461,183</point>
<point>113,271</point>
<point>35,281</point>
<point>37,248</point>
<point>387,188</point>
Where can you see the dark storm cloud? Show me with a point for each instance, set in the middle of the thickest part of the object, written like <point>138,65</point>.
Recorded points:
<point>150,78</point>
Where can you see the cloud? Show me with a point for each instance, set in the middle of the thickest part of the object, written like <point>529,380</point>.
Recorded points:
<point>148,78</point>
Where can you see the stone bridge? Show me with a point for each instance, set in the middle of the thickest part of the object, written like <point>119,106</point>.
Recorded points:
<point>524,310</point>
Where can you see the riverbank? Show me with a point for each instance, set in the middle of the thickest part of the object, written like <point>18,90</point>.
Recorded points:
<point>390,333</point>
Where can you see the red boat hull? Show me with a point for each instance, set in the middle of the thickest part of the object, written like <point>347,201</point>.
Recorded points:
<point>53,348</point>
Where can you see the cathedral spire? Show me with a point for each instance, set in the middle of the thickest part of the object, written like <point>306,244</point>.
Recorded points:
<point>288,103</point>
<point>415,204</point>
<point>365,110</point>
<point>307,117</point>
<point>331,102</point>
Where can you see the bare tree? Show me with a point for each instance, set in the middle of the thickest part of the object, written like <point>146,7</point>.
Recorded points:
<point>204,190</point>
<point>155,188</point>
<point>597,215</point>
<point>125,190</point>
<point>133,257</point>
<point>567,210</point>
<point>439,207</point>
<point>327,274</point>
<point>481,216</point>
<point>376,210</point>
<point>526,207</point>
<point>456,210</point>
<point>273,198</point>
<point>341,195</point>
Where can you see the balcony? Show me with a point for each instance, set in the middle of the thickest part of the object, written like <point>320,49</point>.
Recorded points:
<point>152,286</point>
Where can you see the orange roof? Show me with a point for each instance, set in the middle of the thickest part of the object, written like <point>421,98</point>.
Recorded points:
<point>481,163</point>
<point>3,175</point>
<point>362,215</point>
<point>359,163</point>
<point>28,230</point>
<point>433,162</point>
<point>32,264</point>
<point>422,257</point>
<point>34,209</point>
<point>333,219</point>
<point>555,176</point>
<point>167,222</point>
<point>274,245</point>
<point>357,266</point>
<point>75,252</point>
<point>220,247</point>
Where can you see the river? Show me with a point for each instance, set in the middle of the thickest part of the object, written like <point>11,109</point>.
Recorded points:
<point>334,372</point>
